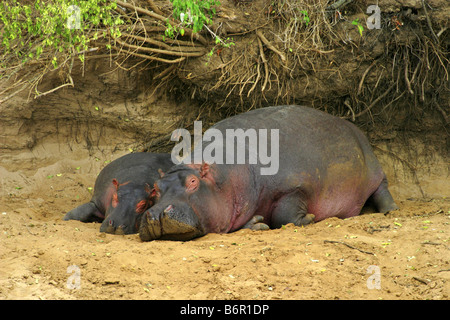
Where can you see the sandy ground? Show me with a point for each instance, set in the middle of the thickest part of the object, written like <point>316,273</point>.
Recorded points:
<point>403,255</point>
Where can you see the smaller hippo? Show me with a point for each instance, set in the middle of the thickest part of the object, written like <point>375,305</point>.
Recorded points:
<point>122,192</point>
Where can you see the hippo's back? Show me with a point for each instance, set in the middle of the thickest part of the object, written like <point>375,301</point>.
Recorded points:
<point>326,159</point>
<point>305,134</point>
<point>139,167</point>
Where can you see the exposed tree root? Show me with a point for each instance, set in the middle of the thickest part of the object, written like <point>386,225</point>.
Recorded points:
<point>269,45</point>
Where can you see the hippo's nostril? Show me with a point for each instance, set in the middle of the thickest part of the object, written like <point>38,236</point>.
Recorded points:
<point>120,230</point>
<point>110,229</point>
<point>153,215</point>
<point>150,216</point>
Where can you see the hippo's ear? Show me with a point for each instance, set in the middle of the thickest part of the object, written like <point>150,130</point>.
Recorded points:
<point>115,183</point>
<point>154,192</point>
<point>161,173</point>
<point>204,169</point>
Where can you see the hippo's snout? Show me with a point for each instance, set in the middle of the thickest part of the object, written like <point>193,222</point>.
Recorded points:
<point>170,223</point>
<point>109,226</point>
<point>119,230</point>
<point>150,226</point>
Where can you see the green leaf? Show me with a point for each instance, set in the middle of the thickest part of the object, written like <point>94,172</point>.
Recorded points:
<point>360,29</point>
<point>55,62</point>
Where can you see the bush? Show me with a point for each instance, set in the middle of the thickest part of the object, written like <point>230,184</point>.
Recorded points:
<point>56,28</point>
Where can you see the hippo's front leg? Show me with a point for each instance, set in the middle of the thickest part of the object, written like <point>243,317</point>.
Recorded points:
<point>256,223</point>
<point>87,212</point>
<point>291,209</point>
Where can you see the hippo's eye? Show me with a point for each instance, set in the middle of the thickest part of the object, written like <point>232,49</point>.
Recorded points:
<point>192,183</point>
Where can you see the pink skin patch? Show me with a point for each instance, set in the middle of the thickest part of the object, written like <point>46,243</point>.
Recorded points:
<point>142,206</point>
<point>115,200</point>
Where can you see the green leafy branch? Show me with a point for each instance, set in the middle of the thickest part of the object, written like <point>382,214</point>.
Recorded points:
<point>52,34</point>
<point>194,13</point>
<point>43,28</point>
<point>305,17</point>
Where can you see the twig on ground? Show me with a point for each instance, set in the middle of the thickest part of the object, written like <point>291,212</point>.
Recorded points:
<point>421,280</point>
<point>348,245</point>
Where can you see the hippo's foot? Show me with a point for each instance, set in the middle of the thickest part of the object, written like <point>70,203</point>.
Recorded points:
<point>255,224</point>
<point>87,212</point>
<point>306,219</point>
<point>382,198</point>
<point>291,208</point>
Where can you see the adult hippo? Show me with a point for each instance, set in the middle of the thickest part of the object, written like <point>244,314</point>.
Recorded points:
<point>122,192</point>
<point>326,169</point>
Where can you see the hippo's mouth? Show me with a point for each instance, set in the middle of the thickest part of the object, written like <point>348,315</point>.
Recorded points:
<point>163,226</point>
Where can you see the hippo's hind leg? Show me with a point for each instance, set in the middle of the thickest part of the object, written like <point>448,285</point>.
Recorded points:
<point>382,198</point>
<point>87,212</point>
<point>291,209</point>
